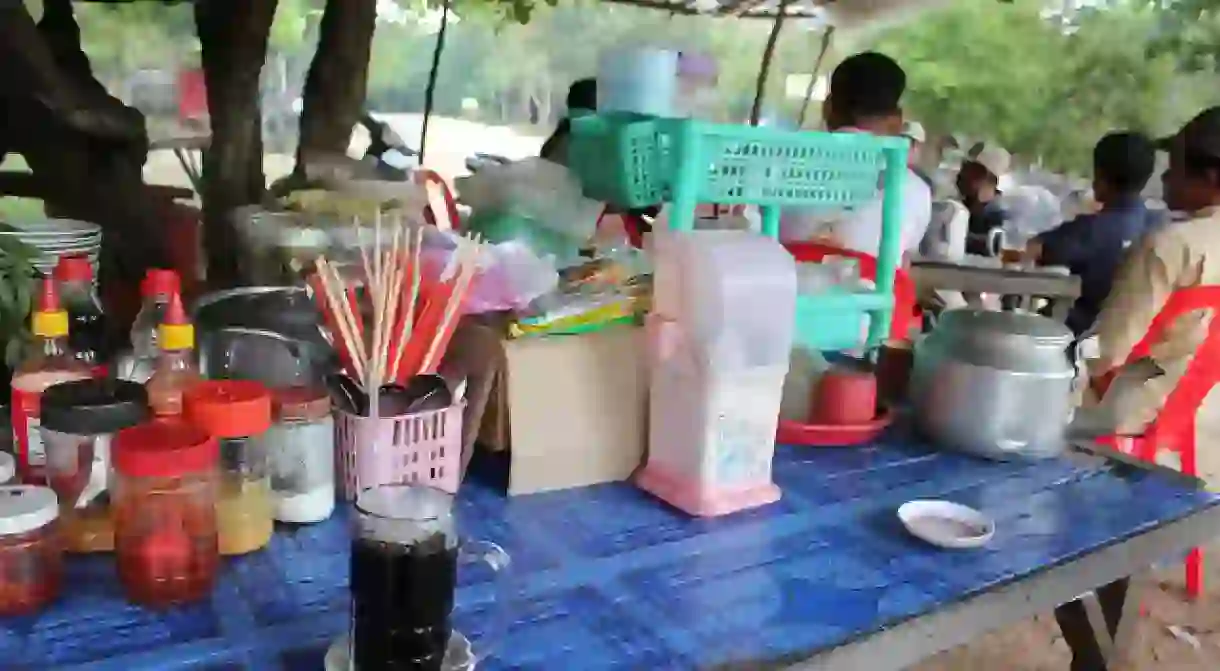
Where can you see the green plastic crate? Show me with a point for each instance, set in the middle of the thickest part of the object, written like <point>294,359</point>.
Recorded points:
<point>621,159</point>
<point>773,169</point>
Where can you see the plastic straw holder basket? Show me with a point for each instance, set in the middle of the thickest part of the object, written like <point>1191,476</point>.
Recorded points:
<point>423,447</point>
<point>621,158</point>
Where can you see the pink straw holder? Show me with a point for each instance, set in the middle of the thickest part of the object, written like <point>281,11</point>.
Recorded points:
<point>422,447</point>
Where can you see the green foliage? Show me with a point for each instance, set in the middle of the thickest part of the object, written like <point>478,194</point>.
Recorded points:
<point>1045,84</point>
<point>17,278</point>
<point>1046,89</point>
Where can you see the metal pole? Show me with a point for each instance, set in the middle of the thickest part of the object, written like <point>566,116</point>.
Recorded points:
<point>765,69</point>
<point>430,91</point>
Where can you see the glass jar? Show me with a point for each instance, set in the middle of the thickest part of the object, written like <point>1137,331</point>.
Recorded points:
<point>165,513</point>
<point>31,555</point>
<point>301,456</point>
<point>237,413</point>
<point>79,420</point>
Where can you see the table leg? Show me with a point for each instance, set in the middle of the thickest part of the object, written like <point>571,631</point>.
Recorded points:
<point>1099,627</point>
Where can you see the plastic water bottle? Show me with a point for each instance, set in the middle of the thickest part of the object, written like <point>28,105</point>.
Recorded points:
<point>157,289</point>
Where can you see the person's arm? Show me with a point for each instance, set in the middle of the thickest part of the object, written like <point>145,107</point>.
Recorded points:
<point>1143,283</point>
<point>555,147</point>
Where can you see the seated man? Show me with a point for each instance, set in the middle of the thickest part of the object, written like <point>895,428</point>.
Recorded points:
<point>1174,256</point>
<point>864,97</point>
<point>582,97</point>
<point>978,182</point>
<point>1092,245</point>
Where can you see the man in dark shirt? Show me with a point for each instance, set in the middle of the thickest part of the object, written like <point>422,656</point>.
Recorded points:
<point>978,182</point>
<point>582,97</point>
<point>1092,245</point>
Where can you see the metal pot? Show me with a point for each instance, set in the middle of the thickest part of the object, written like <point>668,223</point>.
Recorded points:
<point>994,384</point>
<point>269,334</point>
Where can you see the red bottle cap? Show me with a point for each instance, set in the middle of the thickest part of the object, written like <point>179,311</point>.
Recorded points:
<point>175,314</point>
<point>175,332</point>
<point>228,408</point>
<point>74,268</point>
<point>48,297</point>
<point>158,281</point>
<point>164,450</point>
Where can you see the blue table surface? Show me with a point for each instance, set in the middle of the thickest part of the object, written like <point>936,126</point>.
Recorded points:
<point>607,577</point>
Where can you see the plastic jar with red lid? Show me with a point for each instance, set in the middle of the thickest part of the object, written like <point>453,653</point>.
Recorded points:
<point>301,448</point>
<point>164,505</point>
<point>31,554</point>
<point>237,413</point>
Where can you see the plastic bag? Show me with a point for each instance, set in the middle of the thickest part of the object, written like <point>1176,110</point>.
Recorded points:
<point>510,275</point>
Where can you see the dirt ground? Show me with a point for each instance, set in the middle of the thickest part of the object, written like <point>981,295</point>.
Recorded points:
<point>1174,633</point>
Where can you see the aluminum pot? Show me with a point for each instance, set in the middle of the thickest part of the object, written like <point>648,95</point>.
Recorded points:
<point>268,334</point>
<point>994,384</point>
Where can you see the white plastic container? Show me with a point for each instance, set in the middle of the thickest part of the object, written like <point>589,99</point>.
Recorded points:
<point>638,79</point>
<point>719,337</point>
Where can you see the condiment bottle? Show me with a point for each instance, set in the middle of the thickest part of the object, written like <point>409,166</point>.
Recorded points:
<point>88,330</point>
<point>237,413</point>
<point>157,288</point>
<point>31,556</point>
<point>176,369</point>
<point>301,453</point>
<point>48,361</point>
<point>165,536</point>
<point>79,420</point>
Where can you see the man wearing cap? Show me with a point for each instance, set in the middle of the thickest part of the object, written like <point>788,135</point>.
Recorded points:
<point>864,98</point>
<point>1174,256</point>
<point>1092,245</point>
<point>978,182</point>
<point>913,131</point>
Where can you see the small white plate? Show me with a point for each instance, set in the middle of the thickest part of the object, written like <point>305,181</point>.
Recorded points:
<point>947,525</point>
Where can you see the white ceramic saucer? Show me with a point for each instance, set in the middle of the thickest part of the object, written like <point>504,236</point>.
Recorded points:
<point>947,525</point>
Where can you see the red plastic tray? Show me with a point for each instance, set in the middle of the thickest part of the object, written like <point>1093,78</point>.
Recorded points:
<point>825,435</point>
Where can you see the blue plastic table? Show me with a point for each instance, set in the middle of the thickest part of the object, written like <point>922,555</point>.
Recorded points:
<point>609,578</point>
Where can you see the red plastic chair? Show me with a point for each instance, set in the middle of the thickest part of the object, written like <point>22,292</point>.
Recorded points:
<point>906,308</point>
<point>1174,427</point>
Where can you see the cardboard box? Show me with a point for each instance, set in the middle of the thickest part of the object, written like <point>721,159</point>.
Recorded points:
<point>571,410</point>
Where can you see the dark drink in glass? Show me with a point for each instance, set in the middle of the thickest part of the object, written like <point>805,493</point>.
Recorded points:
<point>405,553</point>
<point>402,600</point>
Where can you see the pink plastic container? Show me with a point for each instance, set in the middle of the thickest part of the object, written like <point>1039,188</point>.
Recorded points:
<point>423,447</point>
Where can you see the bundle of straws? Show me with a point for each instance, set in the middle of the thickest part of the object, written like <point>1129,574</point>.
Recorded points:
<point>412,317</point>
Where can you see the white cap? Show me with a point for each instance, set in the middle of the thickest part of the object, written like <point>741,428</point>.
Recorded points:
<point>915,131</point>
<point>8,468</point>
<point>995,158</point>
<point>24,508</point>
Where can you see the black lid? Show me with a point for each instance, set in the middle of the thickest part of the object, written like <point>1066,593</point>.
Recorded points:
<point>93,407</point>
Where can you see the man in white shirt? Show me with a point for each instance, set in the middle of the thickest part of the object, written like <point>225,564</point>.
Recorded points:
<point>864,93</point>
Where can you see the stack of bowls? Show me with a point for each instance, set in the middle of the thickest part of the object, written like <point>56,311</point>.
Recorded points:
<point>53,238</point>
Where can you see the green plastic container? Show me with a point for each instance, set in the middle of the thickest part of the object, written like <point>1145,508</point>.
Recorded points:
<point>621,159</point>
<point>772,169</point>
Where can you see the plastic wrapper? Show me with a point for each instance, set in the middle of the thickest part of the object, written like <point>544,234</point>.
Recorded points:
<point>544,193</point>
<point>510,277</point>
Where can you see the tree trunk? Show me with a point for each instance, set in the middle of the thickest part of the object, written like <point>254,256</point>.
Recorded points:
<point>338,78</point>
<point>233,35</point>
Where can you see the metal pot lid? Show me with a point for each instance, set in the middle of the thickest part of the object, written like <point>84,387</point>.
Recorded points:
<point>1044,330</point>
